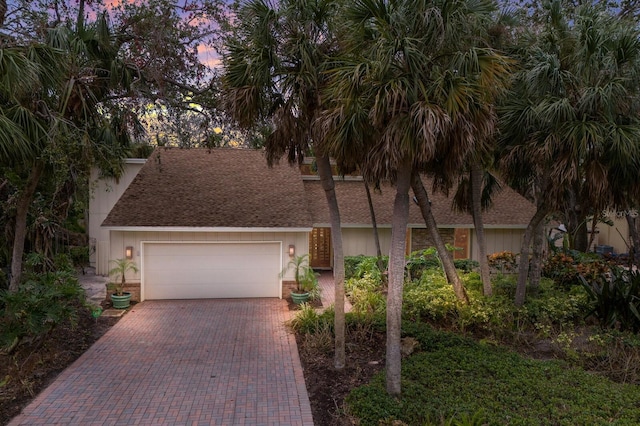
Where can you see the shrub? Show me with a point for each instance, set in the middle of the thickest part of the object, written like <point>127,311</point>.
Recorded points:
<point>503,261</point>
<point>565,268</point>
<point>422,260</point>
<point>41,303</point>
<point>615,299</point>
<point>359,266</point>
<point>307,320</point>
<point>365,295</point>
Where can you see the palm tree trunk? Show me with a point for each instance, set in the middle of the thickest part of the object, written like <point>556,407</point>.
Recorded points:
<point>326,178</point>
<point>634,251</point>
<point>535,270</point>
<point>475,179</point>
<point>447,261</point>
<point>3,12</point>
<point>523,270</point>
<point>20,232</point>
<point>397,263</point>
<point>374,223</point>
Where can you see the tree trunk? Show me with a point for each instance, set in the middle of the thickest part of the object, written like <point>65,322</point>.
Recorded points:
<point>634,250</point>
<point>397,265</point>
<point>535,270</point>
<point>20,232</point>
<point>476,209</point>
<point>523,270</point>
<point>326,178</point>
<point>447,261</point>
<point>3,12</point>
<point>374,223</point>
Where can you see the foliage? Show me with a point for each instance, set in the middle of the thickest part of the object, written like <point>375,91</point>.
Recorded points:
<point>503,261</point>
<point>565,268</point>
<point>119,272</point>
<point>466,265</point>
<point>305,277</point>
<point>432,299</point>
<point>444,381</point>
<point>358,266</point>
<point>615,298</point>
<point>307,320</point>
<point>614,354</point>
<point>422,260</point>
<point>365,295</point>
<point>42,302</point>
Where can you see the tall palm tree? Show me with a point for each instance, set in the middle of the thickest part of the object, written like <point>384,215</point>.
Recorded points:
<point>273,73</point>
<point>52,103</point>
<point>570,127</point>
<point>409,92</point>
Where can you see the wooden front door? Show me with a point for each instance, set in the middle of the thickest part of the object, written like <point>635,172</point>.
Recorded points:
<point>461,241</point>
<point>320,248</point>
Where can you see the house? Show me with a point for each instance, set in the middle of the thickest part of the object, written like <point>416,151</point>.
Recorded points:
<point>220,223</point>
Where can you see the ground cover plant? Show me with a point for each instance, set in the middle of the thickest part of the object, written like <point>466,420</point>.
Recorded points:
<point>456,378</point>
<point>551,361</point>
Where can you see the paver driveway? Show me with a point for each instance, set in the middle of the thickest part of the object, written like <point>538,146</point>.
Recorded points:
<point>221,362</point>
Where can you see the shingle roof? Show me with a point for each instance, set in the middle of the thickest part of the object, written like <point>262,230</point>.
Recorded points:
<point>212,188</point>
<point>234,188</point>
<point>509,209</point>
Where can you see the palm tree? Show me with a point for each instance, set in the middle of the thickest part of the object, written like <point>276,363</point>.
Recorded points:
<point>410,91</point>
<point>570,127</point>
<point>51,96</point>
<point>274,65</point>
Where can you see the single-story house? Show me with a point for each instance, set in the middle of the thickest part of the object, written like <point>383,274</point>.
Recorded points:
<point>220,223</point>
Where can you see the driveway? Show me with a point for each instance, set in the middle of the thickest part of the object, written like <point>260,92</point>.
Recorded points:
<point>203,362</point>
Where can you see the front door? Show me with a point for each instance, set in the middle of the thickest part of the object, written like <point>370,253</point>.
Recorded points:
<point>461,241</point>
<point>320,248</point>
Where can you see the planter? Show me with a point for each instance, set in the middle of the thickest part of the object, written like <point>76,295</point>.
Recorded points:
<point>121,302</point>
<point>299,298</point>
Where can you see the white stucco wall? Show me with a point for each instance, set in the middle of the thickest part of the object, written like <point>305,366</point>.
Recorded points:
<point>104,195</point>
<point>498,240</point>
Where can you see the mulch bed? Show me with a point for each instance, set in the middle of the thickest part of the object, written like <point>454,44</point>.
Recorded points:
<point>32,367</point>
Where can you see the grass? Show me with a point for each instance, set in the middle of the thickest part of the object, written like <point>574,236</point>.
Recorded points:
<point>453,377</point>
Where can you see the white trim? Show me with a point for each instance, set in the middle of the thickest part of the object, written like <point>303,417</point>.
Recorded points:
<point>135,160</point>
<point>199,229</point>
<point>142,244</point>
<point>416,226</point>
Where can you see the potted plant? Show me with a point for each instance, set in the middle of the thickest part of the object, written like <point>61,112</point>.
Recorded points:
<point>305,278</point>
<point>120,298</point>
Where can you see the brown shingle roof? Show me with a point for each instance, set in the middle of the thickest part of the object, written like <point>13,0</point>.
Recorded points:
<point>212,188</point>
<point>509,209</point>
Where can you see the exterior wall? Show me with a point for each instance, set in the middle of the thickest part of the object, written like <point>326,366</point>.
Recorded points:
<point>616,235</point>
<point>498,240</point>
<point>104,195</point>
<point>121,239</point>
<point>357,241</point>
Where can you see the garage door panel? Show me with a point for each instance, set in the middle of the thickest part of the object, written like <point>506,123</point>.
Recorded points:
<point>211,270</point>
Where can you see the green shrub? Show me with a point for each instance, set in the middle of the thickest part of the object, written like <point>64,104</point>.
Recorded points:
<point>307,320</point>
<point>615,299</point>
<point>422,260</point>
<point>365,295</point>
<point>359,266</point>
<point>466,265</point>
<point>40,304</point>
<point>565,268</point>
<point>456,378</point>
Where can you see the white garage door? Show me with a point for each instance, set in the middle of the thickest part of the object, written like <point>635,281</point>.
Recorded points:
<point>211,270</point>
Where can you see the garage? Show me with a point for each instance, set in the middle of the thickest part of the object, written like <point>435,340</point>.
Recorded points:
<point>198,270</point>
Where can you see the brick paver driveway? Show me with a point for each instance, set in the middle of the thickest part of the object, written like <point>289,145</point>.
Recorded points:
<point>222,362</point>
